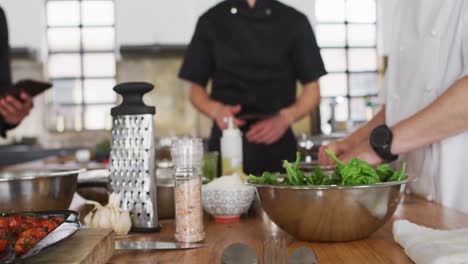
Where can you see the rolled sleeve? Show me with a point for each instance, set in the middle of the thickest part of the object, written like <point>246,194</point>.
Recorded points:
<point>198,59</point>
<point>308,62</point>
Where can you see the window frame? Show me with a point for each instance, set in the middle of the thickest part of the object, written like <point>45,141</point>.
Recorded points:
<point>82,51</point>
<point>347,47</point>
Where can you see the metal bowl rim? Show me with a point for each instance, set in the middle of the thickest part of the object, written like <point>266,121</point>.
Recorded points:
<point>40,174</point>
<point>333,187</point>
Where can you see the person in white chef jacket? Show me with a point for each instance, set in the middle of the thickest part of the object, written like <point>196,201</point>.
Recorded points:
<point>424,119</point>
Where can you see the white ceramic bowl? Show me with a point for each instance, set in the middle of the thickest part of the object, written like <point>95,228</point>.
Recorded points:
<point>227,205</point>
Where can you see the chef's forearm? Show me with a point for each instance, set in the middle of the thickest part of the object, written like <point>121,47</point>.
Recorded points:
<point>364,131</point>
<point>445,117</point>
<point>203,103</point>
<point>304,105</point>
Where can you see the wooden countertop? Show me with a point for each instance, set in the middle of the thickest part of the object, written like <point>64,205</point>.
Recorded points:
<point>378,248</point>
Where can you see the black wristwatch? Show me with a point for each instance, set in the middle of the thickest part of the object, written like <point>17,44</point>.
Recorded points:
<point>381,141</point>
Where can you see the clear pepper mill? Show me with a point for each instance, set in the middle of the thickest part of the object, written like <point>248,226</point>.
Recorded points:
<point>187,154</point>
<point>132,168</point>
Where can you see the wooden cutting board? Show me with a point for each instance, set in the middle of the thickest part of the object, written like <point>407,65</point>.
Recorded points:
<point>87,246</point>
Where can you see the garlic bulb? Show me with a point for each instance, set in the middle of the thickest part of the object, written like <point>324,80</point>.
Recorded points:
<point>109,216</point>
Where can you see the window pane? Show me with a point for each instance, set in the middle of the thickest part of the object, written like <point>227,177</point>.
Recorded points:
<point>337,105</point>
<point>334,59</point>
<point>331,35</point>
<point>358,109</point>
<point>98,117</point>
<point>361,35</point>
<point>325,115</point>
<point>341,109</point>
<point>333,85</point>
<point>66,118</point>
<point>99,91</point>
<point>97,65</point>
<point>97,13</point>
<point>64,65</point>
<point>362,59</point>
<point>63,13</point>
<point>363,83</point>
<point>98,38</point>
<point>66,91</point>
<point>64,39</point>
<point>361,11</point>
<point>330,10</point>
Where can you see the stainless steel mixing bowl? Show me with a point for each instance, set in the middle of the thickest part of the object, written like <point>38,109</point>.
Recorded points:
<point>331,213</point>
<point>22,191</point>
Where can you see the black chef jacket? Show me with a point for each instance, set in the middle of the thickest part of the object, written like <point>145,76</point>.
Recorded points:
<point>254,56</point>
<point>5,69</point>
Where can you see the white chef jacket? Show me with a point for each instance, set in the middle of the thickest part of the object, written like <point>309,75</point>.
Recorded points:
<point>428,53</point>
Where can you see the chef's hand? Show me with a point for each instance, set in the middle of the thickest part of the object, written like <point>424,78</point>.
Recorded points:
<point>338,147</point>
<point>268,131</point>
<point>13,110</point>
<point>362,151</point>
<point>228,111</point>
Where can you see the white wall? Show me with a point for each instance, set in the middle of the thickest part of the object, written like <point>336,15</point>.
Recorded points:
<point>150,21</point>
<point>26,23</point>
<point>171,22</point>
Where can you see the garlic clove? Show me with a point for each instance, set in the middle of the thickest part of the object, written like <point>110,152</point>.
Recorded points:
<point>109,216</point>
<point>124,223</point>
<point>102,218</point>
<point>89,218</point>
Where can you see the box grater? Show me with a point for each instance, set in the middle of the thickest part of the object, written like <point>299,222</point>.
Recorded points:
<point>132,164</point>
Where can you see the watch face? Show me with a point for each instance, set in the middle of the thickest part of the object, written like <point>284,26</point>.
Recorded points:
<point>380,136</point>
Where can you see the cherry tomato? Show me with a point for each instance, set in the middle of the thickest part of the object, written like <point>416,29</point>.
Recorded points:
<point>3,245</point>
<point>3,239</point>
<point>32,220</point>
<point>48,225</point>
<point>27,232</point>
<point>14,222</point>
<point>3,222</point>
<point>25,243</point>
<point>40,233</point>
<point>24,226</point>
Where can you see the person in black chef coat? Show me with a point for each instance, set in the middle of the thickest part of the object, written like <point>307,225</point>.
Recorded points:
<point>254,52</point>
<point>12,110</point>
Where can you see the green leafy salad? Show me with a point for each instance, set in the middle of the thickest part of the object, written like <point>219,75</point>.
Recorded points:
<point>356,172</point>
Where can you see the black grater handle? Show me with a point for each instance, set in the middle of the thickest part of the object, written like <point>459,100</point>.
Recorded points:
<point>132,95</point>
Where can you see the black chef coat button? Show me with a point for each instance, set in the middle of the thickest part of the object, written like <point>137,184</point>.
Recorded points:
<point>268,11</point>
<point>233,10</point>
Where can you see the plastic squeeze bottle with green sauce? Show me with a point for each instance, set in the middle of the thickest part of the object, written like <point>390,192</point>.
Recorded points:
<point>231,149</point>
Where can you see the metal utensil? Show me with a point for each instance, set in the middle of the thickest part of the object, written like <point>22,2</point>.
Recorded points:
<point>25,190</point>
<point>302,255</point>
<point>132,166</point>
<point>154,245</point>
<point>239,253</point>
<point>331,213</point>
<point>17,154</point>
<point>275,252</point>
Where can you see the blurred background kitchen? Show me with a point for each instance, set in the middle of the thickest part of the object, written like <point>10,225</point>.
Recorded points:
<point>85,47</point>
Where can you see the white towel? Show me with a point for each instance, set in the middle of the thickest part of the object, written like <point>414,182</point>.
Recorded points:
<point>430,246</point>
